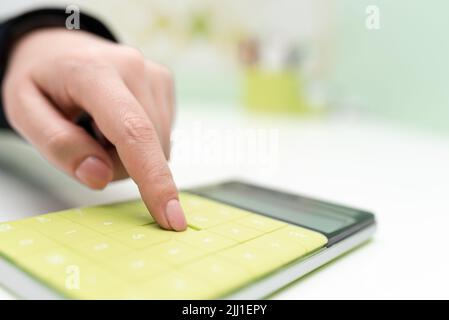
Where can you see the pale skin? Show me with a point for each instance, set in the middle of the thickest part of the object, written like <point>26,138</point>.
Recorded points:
<point>54,75</point>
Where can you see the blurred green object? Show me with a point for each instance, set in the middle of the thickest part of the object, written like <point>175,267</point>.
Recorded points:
<point>200,24</point>
<point>273,91</point>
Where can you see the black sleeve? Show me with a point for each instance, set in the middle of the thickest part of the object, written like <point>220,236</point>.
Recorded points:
<point>11,30</point>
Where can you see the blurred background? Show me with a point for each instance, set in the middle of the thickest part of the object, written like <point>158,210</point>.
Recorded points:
<point>345,100</point>
<point>294,56</point>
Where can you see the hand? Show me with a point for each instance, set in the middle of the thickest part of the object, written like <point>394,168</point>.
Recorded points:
<point>55,75</point>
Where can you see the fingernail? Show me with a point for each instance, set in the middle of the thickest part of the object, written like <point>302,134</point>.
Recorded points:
<point>94,173</point>
<point>175,215</point>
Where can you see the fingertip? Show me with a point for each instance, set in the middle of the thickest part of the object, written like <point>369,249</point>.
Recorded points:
<point>175,215</point>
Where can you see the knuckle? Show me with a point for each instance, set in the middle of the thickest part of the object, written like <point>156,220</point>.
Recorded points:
<point>136,129</point>
<point>159,179</point>
<point>165,75</point>
<point>133,58</point>
<point>90,69</point>
<point>82,63</point>
<point>81,71</point>
<point>58,141</point>
<point>86,55</point>
<point>158,173</point>
<point>76,59</point>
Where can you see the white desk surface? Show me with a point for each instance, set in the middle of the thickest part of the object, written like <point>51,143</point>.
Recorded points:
<point>401,175</point>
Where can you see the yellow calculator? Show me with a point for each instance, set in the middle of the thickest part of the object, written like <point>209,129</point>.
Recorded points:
<point>243,242</point>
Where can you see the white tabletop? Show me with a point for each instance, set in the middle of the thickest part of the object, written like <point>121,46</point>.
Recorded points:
<point>400,174</point>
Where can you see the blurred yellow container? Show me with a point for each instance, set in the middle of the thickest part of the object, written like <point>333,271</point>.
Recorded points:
<point>273,91</point>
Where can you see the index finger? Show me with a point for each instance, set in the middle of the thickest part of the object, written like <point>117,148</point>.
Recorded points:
<point>123,121</point>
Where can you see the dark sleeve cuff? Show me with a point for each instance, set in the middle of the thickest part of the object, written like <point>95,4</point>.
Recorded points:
<point>14,28</point>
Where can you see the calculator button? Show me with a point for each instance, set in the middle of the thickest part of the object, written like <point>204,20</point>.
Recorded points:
<point>127,207</point>
<point>311,240</point>
<point>222,274</point>
<point>101,248</point>
<point>174,252</point>
<point>280,248</point>
<point>84,216</point>
<point>254,259</point>
<point>236,232</point>
<point>71,233</point>
<point>134,211</point>
<point>73,275</point>
<point>190,202</point>
<point>173,285</point>
<point>108,225</point>
<point>207,241</point>
<point>224,211</point>
<point>45,223</point>
<point>94,283</point>
<point>21,241</point>
<point>99,219</point>
<point>202,213</point>
<point>75,215</point>
<point>138,266</point>
<point>203,220</point>
<point>6,228</point>
<point>261,223</point>
<point>54,265</point>
<point>142,236</point>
